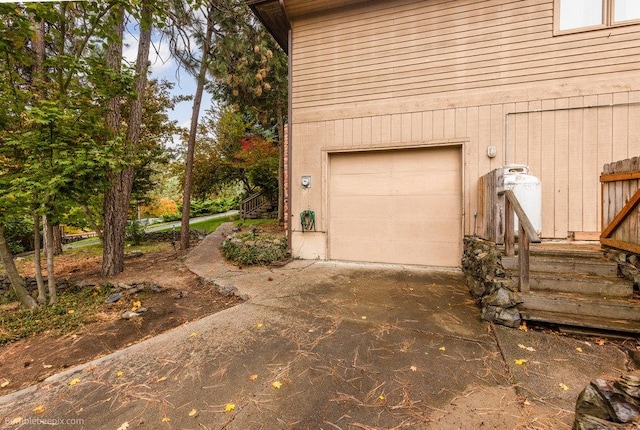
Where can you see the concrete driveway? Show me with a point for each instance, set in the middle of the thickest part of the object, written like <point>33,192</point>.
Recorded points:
<point>323,345</point>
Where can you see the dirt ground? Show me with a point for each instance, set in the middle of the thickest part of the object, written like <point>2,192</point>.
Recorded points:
<point>184,297</point>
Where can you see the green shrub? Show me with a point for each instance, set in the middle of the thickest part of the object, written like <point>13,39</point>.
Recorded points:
<point>250,248</point>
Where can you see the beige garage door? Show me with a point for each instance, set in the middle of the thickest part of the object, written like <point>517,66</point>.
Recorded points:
<point>401,206</point>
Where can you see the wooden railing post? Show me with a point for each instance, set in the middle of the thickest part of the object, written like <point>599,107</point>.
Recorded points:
<point>523,257</point>
<point>509,239</point>
<point>526,234</point>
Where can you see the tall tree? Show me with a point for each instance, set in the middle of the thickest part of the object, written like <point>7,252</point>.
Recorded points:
<point>117,196</point>
<point>205,23</point>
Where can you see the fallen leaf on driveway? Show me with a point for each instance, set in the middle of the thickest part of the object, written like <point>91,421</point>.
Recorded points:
<point>528,348</point>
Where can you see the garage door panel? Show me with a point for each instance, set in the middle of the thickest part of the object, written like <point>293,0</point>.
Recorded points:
<point>401,206</point>
<point>365,184</point>
<point>437,230</point>
<point>405,206</point>
<point>362,229</point>
<point>361,207</point>
<point>414,183</point>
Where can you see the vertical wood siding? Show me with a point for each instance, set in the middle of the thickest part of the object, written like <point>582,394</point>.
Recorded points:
<point>391,49</point>
<point>483,72</point>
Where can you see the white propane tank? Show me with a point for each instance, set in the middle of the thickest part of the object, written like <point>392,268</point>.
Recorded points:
<point>528,190</point>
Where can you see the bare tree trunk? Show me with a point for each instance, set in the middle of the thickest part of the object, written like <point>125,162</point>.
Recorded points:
<point>57,239</point>
<point>51,278</point>
<point>114,220</point>
<point>116,204</point>
<point>17,283</point>
<point>195,112</point>
<point>37,261</point>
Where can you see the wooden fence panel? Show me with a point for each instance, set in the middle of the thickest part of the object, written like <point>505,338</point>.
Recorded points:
<point>490,220</point>
<point>620,211</point>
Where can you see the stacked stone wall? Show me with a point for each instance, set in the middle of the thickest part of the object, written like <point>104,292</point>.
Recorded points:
<point>494,292</point>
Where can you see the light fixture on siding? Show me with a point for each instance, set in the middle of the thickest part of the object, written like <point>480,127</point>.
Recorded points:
<point>492,151</point>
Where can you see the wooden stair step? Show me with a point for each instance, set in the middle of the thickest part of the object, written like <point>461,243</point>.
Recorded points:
<point>565,264</point>
<point>566,319</point>
<point>580,284</point>
<point>614,309</point>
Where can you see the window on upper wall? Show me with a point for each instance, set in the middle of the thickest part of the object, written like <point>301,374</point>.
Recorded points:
<point>578,15</point>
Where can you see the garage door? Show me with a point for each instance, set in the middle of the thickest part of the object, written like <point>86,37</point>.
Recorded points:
<point>401,206</point>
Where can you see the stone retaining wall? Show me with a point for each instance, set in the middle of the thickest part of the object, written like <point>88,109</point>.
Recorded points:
<point>488,284</point>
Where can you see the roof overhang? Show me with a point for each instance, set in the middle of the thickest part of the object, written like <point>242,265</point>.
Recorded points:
<point>276,15</point>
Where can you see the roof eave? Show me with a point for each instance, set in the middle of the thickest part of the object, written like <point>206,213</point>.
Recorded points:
<point>274,17</point>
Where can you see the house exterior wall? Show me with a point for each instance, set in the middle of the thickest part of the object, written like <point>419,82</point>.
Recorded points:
<point>409,73</point>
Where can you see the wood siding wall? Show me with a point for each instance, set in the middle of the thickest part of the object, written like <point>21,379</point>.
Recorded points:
<point>391,49</point>
<point>413,73</point>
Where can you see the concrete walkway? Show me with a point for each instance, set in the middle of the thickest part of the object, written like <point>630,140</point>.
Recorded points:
<point>324,345</point>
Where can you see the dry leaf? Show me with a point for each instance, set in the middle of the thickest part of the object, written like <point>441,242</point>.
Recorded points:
<point>520,361</point>
<point>193,412</point>
<point>442,348</point>
<point>16,421</point>
<point>119,373</point>
<point>38,410</point>
<point>564,387</point>
<point>124,426</point>
<point>164,378</point>
<point>136,305</point>
<point>381,398</point>
<point>259,325</point>
<point>600,342</point>
<point>71,312</point>
<point>528,348</point>
<point>413,368</point>
<point>277,384</point>
<point>579,349</point>
<point>523,326</point>
<point>364,317</point>
<point>193,334</point>
<point>47,366</point>
<point>229,407</point>
<point>74,381</point>
<point>4,383</point>
<point>253,377</point>
<point>166,420</point>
